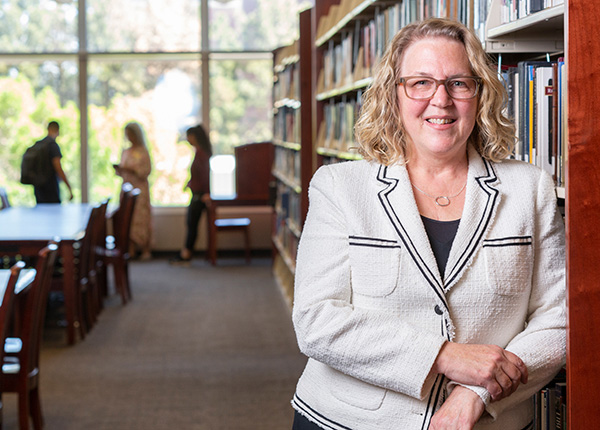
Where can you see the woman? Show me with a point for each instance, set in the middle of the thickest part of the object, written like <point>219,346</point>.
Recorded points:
<point>199,184</point>
<point>135,167</point>
<point>430,276</point>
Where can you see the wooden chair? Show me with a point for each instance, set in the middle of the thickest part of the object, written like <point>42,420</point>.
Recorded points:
<point>6,307</point>
<point>21,372</point>
<point>4,203</point>
<point>116,249</point>
<point>88,267</point>
<point>98,263</point>
<point>216,225</point>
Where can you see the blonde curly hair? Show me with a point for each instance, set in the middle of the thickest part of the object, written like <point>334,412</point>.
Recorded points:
<point>379,130</point>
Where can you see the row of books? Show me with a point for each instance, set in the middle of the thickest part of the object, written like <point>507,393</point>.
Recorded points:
<point>286,124</point>
<point>287,220</point>
<point>286,166</point>
<point>511,10</point>
<point>412,9</point>
<point>365,37</point>
<point>287,242</point>
<point>550,407</point>
<point>337,129</point>
<point>537,105</point>
<point>363,45</point>
<point>286,83</point>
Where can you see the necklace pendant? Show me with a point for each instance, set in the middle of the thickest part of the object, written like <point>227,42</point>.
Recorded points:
<point>442,201</point>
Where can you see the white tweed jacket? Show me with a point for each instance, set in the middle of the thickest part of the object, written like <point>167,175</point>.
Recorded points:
<point>371,310</point>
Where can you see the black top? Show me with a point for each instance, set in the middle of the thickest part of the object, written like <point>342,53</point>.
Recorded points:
<point>49,191</point>
<point>441,235</point>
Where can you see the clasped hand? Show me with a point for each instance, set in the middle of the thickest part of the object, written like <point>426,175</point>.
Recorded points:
<point>497,370</point>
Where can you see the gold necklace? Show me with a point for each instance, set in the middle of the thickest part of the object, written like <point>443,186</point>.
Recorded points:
<point>442,201</point>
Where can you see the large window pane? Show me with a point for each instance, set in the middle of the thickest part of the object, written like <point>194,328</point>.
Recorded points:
<point>261,25</point>
<point>164,98</point>
<point>31,94</point>
<point>240,102</point>
<point>38,26</point>
<point>143,25</point>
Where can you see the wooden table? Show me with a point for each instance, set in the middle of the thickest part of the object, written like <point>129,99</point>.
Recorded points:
<point>28,229</point>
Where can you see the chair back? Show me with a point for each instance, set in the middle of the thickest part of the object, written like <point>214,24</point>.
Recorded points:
<point>7,303</point>
<point>35,308</point>
<point>122,218</point>
<point>4,203</point>
<point>87,250</point>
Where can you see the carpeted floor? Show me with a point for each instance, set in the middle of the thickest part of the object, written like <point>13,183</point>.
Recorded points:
<point>200,347</point>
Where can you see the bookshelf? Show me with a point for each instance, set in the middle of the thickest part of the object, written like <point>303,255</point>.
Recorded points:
<point>563,29</point>
<point>350,37</point>
<point>292,132</point>
<point>566,29</point>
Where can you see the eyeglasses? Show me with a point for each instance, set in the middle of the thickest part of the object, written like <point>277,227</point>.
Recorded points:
<point>423,88</point>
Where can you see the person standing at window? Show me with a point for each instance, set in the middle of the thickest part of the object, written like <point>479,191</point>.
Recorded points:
<point>48,191</point>
<point>199,185</point>
<point>135,167</point>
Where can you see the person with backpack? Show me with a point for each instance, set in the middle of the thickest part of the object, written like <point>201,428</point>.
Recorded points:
<point>41,167</point>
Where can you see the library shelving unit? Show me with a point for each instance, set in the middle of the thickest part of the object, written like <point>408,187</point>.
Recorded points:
<point>292,137</point>
<point>350,37</point>
<point>566,28</point>
<point>339,70</point>
<point>539,37</point>
<point>345,49</point>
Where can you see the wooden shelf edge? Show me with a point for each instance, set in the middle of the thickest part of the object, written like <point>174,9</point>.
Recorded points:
<point>291,103</point>
<point>287,145</point>
<point>321,40</point>
<point>281,177</point>
<point>338,154</point>
<point>363,83</point>
<point>507,29</point>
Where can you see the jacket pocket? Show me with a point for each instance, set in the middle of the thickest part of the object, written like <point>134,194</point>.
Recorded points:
<point>509,263</point>
<point>354,392</point>
<point>374,265</point>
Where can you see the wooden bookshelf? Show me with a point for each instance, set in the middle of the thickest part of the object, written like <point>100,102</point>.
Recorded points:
<point>582,191</point>
<point>351,37</point>
<point>560,30</point>
<point>292,169</point>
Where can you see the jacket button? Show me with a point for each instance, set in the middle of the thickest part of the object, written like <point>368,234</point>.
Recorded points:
<point>438,310</point>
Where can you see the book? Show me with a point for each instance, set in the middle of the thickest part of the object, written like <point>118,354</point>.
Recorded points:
<point>543,129</point>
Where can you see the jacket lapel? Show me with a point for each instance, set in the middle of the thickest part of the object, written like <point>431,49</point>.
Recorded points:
<point>481,201</point>
<point>396,197</point>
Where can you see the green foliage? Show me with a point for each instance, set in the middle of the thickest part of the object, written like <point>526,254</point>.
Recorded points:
<point>25,116</point>
<point>33,92</point>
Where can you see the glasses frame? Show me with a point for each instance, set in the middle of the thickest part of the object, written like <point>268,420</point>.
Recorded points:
<point>438,82</point>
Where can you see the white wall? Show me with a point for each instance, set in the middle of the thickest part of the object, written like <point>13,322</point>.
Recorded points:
<point>169,228</point>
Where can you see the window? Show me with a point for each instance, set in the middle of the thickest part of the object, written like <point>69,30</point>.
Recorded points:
<point>163,97</point>
<point>252,25</point>
<point>139,60</point>
<point>143,26</point>
<point>240,102</point>
<point>31,94</point>
<point>41,26</point>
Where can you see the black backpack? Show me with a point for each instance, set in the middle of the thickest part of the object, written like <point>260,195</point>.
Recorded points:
<point>35,165</point>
